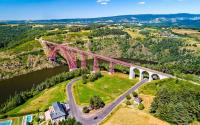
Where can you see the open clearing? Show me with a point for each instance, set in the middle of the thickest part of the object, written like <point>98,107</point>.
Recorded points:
<point>130,116</point>
<point>43,100</point>
<point>186,31</point>
<point>109,87</point>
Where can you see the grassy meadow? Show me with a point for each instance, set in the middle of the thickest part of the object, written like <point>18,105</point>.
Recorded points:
<point>109,87</point>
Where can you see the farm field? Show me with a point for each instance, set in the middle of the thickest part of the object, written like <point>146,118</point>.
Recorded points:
<point>186,31</point>
<point>109,87</point>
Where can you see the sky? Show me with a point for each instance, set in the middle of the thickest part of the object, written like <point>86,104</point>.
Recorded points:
<point>60,9</point>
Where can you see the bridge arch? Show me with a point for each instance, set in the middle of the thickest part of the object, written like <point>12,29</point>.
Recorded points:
<point>144,74</point>
<point>68,56</point>
<point>155,76</point>
<point>134,72</point>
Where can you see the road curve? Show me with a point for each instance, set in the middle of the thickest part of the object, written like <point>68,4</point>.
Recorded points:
<point>77,113</point>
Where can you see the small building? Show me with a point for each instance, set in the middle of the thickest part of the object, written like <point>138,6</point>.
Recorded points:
<point>57,112</point>
<point>137,100</point>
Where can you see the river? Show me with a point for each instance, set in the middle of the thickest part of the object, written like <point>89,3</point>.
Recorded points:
<point>20,83</point>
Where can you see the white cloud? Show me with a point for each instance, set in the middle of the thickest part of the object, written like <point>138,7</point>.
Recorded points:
<point>103,2</point>
<point>142,3</point>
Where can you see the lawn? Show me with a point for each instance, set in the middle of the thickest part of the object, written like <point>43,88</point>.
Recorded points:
<point>109,87</point>
<point>42,101</point>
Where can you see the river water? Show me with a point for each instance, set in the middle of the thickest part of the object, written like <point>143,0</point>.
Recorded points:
<point>16,84</point>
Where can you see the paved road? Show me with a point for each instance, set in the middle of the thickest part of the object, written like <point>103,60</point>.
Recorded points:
<point>77,113</point>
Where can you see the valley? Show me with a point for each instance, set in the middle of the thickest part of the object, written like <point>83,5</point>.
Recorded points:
<point>28,76</point>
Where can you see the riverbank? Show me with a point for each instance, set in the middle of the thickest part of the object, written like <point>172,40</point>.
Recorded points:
<point>42,101</point>
<point>10,87</point>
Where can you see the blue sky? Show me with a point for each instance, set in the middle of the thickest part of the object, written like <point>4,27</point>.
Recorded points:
<point>57,9</point>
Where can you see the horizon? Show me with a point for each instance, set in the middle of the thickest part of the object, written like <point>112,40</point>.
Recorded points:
<point>67,9</point>
<point>100,17</point>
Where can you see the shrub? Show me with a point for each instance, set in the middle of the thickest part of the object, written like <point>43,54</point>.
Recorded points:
<point>36,118</point>
<point>98,74</point>
<point>86,109</point>
<point>3,116</point>
<point>96,102</point>
<point>70,121</point>
<point>128,97</point>
<point>135,94</point>
<point>92,77</point>
<point>140,106</point>
<point>128,102</point>
<point>84,78</point>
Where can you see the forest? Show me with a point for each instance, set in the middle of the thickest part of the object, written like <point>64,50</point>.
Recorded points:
<point>176,101</point>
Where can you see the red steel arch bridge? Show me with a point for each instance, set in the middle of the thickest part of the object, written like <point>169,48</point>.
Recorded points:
<point>70,54</point>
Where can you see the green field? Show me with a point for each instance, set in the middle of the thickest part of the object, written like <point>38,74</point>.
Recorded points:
<point>42,101</point>
<point>109,87</point>
<point>173,84</point>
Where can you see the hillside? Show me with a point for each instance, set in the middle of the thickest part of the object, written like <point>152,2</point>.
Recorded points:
<point>181,19</point>
<point>164,49</point>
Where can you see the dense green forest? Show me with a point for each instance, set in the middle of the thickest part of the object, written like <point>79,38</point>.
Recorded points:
<point>13,35</point>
